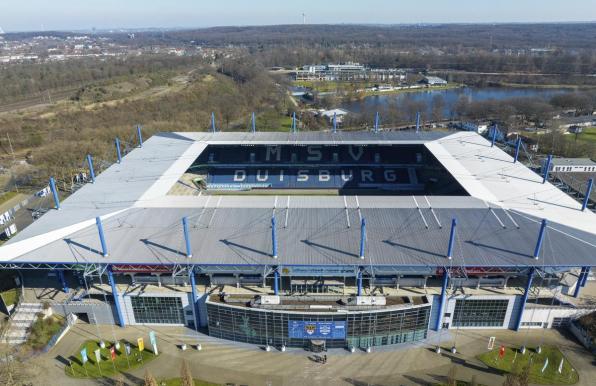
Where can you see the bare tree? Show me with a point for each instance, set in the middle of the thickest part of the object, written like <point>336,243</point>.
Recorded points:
<point>149,379</point>
<point>186,375</point>
<point>452,376</point>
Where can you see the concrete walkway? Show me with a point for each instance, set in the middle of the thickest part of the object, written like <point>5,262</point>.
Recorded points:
<point>222,362</point>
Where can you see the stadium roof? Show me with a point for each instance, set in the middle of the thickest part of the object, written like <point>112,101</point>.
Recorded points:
<point>142,222</point>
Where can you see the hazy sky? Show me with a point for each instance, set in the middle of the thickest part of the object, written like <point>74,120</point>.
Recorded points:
<point>18,15</point>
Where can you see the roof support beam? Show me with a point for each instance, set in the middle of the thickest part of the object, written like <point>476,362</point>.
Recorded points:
<point>118,153</point>
<point>524,299</point>
<point>362,237</point>
<point>139,135</point>
<point>186,236</point>
<point>121,321</point>
<point>54,193</point>
<point>540,239</point>
<point>588,192</point>
<point>517,146</point>
<point>91,170</point>
<point>451,239</point>
<point>102,239</point>
<point>273,238</point>
<point>549,159</point>
<point>442,299</point>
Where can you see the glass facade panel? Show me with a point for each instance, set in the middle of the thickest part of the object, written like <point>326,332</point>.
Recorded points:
<point>157,310</point>
<point>363,329</point>
<point>479,313</point>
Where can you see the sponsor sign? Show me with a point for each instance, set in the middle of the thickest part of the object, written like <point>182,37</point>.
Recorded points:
<point>318,271</point>
<point>141,344</point>
<point>298,329</point>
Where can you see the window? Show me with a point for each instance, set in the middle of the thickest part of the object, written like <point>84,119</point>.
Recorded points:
<point>531,324</point>
<point>480,313</point>
<point>157,310</point>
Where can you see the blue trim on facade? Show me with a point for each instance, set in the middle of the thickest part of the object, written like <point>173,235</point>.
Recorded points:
<point>276,282</point>
<point>580,281</point>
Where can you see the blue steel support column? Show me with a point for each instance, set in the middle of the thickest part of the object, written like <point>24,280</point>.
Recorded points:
<point>139,135</point>
<point>442,299</point>
<point>524,299</point>
<point>102,239</point>
<point>586,276</point>
<point>549,159</point>
<point>118,153</point>
<point>195,298</point>
<point>580,280</point>
<point>294,122</point>
<point>63,281</point>
<point>362,238</point>
<point>359,282</point>
<point>121,321</point>
<point>451,239</point>
<point>54,193</point>
<point>186,236</point>
<point>588,192</point>
<point>377,122</point>
<point>213,129</point>
<point>276,282</point>
<point>254,123</point>
<point>540,239</point>
<point>417,121</point>
<point>517,146</point>
<point>494,137</point>
<point>273,238</point>
<point>334,122</point>
<point>91,170</point>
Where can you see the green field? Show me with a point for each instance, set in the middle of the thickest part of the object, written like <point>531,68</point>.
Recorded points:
<point>10,296</point>
<point>514,361</point>
<point>588,135</point>
<point>108,368</point>
<point>177,382</point>
<point>7,196</point>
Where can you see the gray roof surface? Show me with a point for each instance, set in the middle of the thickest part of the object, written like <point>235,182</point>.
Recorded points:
<point>143,224</point>
<point>320,236</point>
<point>573,162</point>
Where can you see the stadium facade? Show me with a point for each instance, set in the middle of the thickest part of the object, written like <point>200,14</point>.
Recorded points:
<point>352,239</point>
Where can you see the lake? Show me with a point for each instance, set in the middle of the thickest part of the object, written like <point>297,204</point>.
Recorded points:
<point>450,97</point>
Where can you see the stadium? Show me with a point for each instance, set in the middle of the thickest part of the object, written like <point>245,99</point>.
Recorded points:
<point>314,239</point>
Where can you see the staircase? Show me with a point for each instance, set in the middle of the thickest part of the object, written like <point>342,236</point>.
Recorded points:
<point>21,320</point>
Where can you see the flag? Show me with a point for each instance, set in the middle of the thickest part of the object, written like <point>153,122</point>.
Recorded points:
<point>152,338</point>
<point>491,343</point>
<point>127,349</point>
<point>84,355</point>
<point>97,355</point>
<point>561,365</point>
<point>141,344</point>
<point>113,352</point>
<point>502,352</point>
<point>545,364</point>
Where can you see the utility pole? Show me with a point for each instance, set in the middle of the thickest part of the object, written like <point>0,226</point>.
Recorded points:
<point>10,145</point>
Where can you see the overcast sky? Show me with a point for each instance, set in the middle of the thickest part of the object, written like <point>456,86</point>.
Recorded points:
<point>28,15</point>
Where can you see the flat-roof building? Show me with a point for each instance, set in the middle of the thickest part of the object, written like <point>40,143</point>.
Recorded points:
<point>357,239</point>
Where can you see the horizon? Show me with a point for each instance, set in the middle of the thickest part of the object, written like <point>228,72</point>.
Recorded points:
<point>70,15</point>
<point>190,28</point>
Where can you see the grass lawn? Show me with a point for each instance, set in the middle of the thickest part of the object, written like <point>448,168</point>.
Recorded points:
<point>588,135</point>
<point>176,382</point>
<point>42,330</point>
<point>550,376</point>
<point>108,368</point>
<point>7,196</point>
<point>10,296</point>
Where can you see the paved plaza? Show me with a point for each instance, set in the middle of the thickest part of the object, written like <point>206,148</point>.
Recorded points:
<point>223,362</point>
